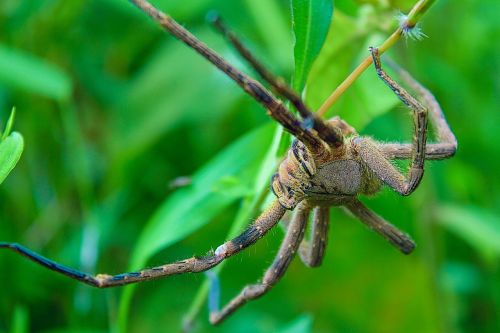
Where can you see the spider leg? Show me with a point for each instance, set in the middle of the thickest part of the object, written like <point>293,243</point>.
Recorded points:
<point>273,274</point>
<point>312,252</point>
<point>446,144</point>
<point>327,132</point>
<point>253,233</point>
<point>392,234</point>
<point>371,154</point>
<point>275,107</point>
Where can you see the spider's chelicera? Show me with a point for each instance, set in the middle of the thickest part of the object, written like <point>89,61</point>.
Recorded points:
<point>329,164</point>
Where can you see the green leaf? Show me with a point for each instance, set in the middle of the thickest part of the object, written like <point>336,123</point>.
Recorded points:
<point>8,126</point>
<point>190,208</point>
<point>150,108</point>
<point>10,152</point>
<point>20,70</point>
<point>310,20</point>
<point>273,27</point>
<point>481,229</point>
<point>302,324</point>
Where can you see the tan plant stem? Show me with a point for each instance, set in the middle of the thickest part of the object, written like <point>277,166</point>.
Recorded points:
<point>409,23</point>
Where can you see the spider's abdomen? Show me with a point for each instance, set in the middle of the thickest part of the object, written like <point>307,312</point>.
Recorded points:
<point>342,177</point>
<point>340,180</point>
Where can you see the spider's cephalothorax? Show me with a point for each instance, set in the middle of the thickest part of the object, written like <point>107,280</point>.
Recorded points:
<point>329,164</point>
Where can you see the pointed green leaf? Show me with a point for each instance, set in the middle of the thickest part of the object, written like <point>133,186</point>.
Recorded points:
<point>311,20</point>
<point>20,320</point>
<point>10,152</point>
<point>8,126</point>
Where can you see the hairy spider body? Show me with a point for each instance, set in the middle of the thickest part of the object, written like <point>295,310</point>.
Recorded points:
<point>330,182</point>
<point>329,164</point>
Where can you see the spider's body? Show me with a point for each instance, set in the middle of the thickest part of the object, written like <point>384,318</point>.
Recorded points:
<point>329,164</point>
<point>330,181</point>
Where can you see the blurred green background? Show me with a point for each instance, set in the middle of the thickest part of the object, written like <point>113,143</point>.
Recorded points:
<point>113,110</point>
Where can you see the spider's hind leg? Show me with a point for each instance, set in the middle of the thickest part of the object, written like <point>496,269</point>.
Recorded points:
<point>396,237</point>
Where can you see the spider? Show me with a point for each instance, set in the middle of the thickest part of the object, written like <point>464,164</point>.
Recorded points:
<point>328,164</point>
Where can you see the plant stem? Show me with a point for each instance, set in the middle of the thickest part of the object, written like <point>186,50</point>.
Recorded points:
<point>409,23</point>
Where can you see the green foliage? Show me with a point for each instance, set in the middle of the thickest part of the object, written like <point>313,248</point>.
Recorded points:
<point>114,110</point>
<point>310,22</point>
<point>480,228</point>
<point>213,188</point>
<point>24,71</point>
<point>20,320</point>
<point>303,324</point>
<point>11,148</point>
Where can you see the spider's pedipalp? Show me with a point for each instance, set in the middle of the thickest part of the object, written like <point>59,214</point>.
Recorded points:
<point>312,252</point>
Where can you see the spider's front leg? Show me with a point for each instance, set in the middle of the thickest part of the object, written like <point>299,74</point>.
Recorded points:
<point>253,233</point>
<point>290,244</point>
<point>446,144</point>
<point>370,152</point>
